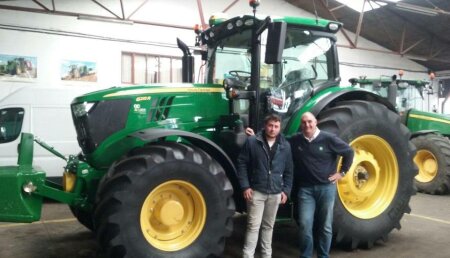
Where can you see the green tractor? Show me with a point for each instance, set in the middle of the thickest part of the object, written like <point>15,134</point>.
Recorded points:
<point>430,131</point>
<point>156,178</point>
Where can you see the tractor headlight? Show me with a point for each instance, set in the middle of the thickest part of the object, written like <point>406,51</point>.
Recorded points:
<point>333,26</point>
<point>249,22</point>
<point>82,109</point>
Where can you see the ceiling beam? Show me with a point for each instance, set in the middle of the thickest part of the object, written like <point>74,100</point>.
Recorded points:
<point>442,60</point>
<point>383,25</point>
<point>360,21</point>
<point>123,11</point>
<point>420,27</point>
<point>41,5</point>
<point>229,6</point>
<point>412,46</point>
<point>402,39</point>
<point>104,7</point>
<point>337,7</point>
<point>202,17</point>
<point>34,10</point>
<point>336,19</point>
<point>137,9</point>
<point>435,54</point>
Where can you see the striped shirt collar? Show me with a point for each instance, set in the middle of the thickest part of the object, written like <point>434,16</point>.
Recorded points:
<point>316,133</point>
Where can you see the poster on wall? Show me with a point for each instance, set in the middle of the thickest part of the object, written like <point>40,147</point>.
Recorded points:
<point>78,71</point>
<point>17,67</point>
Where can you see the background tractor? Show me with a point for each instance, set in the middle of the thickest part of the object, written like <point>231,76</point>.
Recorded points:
<point>155,177</point>
<point>430,131</point>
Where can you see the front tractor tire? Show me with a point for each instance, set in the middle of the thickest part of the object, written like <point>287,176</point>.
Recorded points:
<point>374,194</point>
<point>165,200</point>
<point>433,161</point>
<point>84,217</point>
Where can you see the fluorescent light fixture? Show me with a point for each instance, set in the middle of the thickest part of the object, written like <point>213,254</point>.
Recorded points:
<point>104,19</point>
<point>416,9</point>
<point>357,5</point>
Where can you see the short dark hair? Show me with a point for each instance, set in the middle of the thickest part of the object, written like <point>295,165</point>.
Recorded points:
<point>272,117</point>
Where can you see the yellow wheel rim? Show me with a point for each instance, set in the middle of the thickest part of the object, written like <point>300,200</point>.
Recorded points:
<point>370,185</point>
<point>427,164</point>
<point>173,215</point>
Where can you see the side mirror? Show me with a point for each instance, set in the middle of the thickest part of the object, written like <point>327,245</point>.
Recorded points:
<point>276,38</point>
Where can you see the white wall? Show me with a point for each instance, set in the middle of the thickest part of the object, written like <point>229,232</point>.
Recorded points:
<point>439,76</point>
<point>50,47</point>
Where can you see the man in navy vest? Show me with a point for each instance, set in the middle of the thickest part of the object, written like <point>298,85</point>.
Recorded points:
<point>315,155</point>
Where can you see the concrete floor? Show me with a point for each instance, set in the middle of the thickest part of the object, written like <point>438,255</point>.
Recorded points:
<point>425,233</point>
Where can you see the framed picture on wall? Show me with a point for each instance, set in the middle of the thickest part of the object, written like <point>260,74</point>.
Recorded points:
<point>85,71</point>
<point>14,67</point>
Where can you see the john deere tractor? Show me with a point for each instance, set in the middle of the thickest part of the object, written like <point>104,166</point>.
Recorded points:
<point>430,131</point>
<point>156,178</point>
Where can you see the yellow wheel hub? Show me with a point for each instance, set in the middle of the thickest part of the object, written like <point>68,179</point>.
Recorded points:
<point>371,183</point>
<point>427,164</point>
<point>69,181</point>
<point>173,215</point>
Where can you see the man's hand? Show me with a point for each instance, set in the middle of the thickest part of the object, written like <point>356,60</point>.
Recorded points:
<point>335,177</point>
<point>248,194</point>
<point>283,198</point>
<point>249,131</point>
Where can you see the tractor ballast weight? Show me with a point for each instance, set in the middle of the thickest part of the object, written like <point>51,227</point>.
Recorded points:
<point>17,184</point>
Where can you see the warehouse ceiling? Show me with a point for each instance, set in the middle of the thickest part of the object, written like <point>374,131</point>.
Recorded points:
<point>417,29</point>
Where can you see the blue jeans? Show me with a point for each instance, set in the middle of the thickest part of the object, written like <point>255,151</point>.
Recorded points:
<point>316,205</point>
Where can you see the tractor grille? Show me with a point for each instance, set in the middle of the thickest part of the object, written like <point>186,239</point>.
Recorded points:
<point>101,121</point>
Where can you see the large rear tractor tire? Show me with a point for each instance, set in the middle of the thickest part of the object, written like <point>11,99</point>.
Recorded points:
<point>374,194</point>
<point>165,200</point>
<point>433,161</point>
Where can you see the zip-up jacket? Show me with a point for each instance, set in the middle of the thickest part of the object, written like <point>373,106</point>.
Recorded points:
<point>258,171</point>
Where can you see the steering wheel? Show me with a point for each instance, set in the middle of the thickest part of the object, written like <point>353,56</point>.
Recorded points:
<point>241,75</point>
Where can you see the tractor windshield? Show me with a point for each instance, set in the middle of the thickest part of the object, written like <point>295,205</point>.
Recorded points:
<point>307,62</point>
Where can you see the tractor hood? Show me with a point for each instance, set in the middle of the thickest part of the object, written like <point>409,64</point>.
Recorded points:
<point>145,90</point>
<point>105,117</point>
<point>421,121</point>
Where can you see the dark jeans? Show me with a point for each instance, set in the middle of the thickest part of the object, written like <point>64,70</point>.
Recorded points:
<point>318,200</point>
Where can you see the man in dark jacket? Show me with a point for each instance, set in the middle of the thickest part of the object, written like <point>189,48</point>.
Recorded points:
<point>315,155</point>
<point>265,175</point>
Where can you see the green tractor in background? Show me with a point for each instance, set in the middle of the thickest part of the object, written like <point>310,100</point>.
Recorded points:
<point>156,178</point>
<point>430,131</point>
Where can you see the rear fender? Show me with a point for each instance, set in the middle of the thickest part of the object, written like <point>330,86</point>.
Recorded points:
<point>350,94</point>
<point>323,100</point>
<point>423,132</point>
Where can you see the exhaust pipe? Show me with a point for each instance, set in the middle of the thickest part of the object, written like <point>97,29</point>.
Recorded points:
<point>187,70</point>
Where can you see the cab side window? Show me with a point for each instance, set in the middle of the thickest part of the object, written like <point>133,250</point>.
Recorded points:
<point>10,124</point>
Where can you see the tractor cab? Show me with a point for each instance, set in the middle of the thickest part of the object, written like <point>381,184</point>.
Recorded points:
<point>269,64</point>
